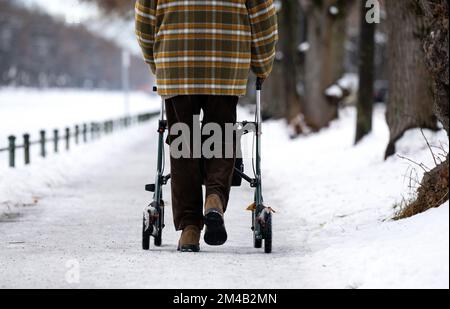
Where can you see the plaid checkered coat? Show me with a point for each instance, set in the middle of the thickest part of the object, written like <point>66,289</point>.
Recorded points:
<point>206,46</point>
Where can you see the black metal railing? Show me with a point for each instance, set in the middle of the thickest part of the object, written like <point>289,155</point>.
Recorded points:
<point>77,134</point>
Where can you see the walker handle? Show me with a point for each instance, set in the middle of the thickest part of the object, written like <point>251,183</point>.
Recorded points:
<point>259,82</point>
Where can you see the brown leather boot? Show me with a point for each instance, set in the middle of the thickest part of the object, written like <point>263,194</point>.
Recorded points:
<point>215,232</point>
<point>190,239</point>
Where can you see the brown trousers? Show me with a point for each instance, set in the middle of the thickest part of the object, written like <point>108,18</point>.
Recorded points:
<point>188,174</point>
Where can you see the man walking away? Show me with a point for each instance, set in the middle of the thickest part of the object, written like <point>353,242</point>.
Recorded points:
<point>201,52</point>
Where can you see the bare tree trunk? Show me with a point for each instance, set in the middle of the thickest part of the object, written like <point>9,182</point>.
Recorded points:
<point>436,45</point>
<point>410,103</point>
<point>434,187</point>
<point>289,40</point>
<point>281,99</point>
<point>324,63</point>
<point>274,96</point>
<point>366,76</point>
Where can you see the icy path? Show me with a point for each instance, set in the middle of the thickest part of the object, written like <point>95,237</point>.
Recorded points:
<point>330,230</point>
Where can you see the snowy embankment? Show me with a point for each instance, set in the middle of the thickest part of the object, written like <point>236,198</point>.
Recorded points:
<point>332,229</point>
<point>26,186</point>
<point>24,110</point>
<point>340,202</point>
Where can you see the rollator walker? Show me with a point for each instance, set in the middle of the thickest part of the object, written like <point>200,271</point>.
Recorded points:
<point>153,219</point>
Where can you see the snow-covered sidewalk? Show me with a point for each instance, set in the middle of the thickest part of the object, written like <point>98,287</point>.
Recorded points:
<point>332,228</point>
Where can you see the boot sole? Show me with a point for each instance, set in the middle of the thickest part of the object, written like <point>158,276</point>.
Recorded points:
<point>215,232</point>
<point>189,248</point>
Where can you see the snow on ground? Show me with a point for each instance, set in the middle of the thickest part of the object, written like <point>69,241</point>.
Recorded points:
<point>332,228</point>
<point>341,199</point>
<point>24,110</point>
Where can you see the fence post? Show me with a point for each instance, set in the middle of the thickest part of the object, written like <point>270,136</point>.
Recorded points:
<point>42,141</point>
<point>77,133</point>
<point>26,148</point>
<point>67,139</point>
<point>97,130</point>
<point>12,150</point>
<point>55,140</point>
<point>84,133</point>
<point>92,131</point>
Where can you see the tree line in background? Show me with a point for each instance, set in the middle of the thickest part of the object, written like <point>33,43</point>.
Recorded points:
<point>38,51</point>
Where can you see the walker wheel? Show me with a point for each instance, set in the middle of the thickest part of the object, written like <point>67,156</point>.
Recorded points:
<point>268,234</point>
<point>257,243</point>
<point>145,236</point>
<point>160,225</point>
